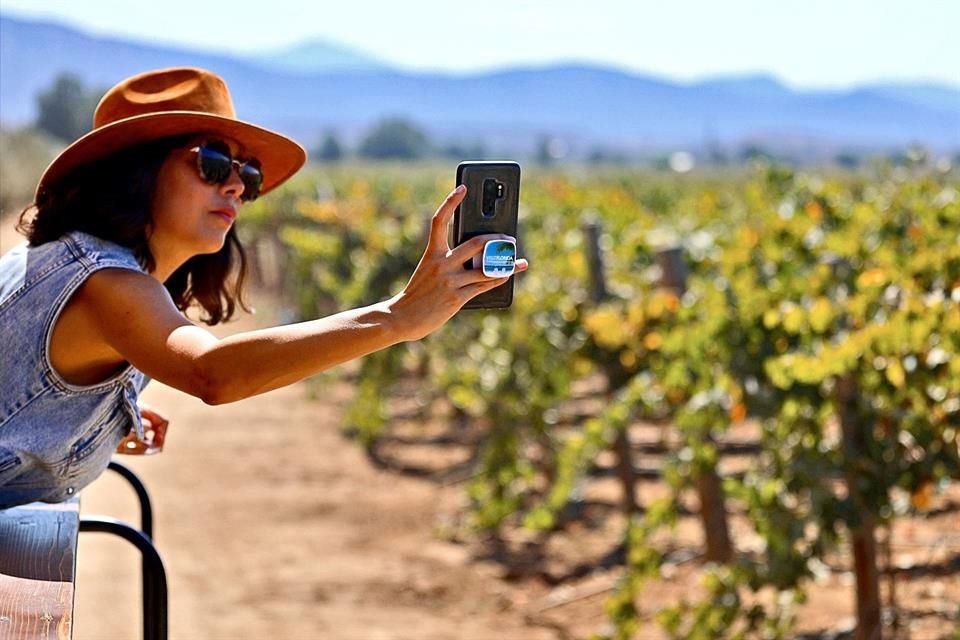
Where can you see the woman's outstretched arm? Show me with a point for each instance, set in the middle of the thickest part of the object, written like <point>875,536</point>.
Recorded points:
<point>139,321</point>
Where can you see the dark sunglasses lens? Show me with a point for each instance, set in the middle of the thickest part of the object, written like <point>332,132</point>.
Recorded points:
<point>216,164</point>
<point>215,167</point>
<point>252,179</point>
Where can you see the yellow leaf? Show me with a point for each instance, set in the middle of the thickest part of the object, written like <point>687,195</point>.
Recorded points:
<point>793,320</point>
<point>582,367</point>
<point>652,341</point>
<point>820,315</point>
<point>895,373</point>
<point>577,262</point>
<point>655,307</point>
<point>771,318</point>
<point>320,211</point>
<point>872,278</point>
<point>671,302</point>
<point>748,237</point>
<point>635,315</point>
<point>607,328</point>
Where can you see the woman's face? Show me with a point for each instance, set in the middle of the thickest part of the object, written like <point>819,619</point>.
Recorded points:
<point>189,215</point>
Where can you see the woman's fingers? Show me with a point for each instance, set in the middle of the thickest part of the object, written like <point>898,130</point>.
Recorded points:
<point>155,432</point>
<point>131,445</point>
<point>158,425</point>
<point>471,291</point>
<point>153,417</point>
<point>473,276</point>
<point>474,246</point>
<point>440,285</point>
<point>441,220</point>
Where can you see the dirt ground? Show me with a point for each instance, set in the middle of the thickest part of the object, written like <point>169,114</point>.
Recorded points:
<point>274,525</point>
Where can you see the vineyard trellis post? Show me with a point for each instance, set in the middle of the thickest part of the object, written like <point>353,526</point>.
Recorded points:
<point>863,541</point>
<point>598,292</point>
<point>713,510</point>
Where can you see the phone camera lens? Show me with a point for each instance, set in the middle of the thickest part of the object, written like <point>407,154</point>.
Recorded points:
<point>492,191</point>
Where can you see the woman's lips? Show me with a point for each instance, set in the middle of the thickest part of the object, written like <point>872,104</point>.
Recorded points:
<point>229,215</point>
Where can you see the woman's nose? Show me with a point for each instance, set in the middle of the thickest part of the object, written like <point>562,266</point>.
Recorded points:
<point>233,186</point>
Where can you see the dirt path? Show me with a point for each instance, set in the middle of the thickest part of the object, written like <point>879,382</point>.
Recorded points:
<point>272,525</point>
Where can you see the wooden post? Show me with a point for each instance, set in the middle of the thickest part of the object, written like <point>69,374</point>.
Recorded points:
<point>713,515</point>
<point>862,538</point>
<point>629,504</point>
<point>891,579</point>
<point>598,292</point>
<point>713,509</point>
<point>673,269</point>
<point>598,283</point>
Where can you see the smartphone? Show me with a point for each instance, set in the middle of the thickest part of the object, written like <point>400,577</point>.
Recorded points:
<point>490,206</point>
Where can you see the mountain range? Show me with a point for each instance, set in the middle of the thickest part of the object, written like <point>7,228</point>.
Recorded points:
<point>316,87</point>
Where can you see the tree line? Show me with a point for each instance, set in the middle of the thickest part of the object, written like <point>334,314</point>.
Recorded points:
<point>65,111</point>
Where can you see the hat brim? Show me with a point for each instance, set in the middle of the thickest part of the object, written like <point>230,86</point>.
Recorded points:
<point>279,156</point>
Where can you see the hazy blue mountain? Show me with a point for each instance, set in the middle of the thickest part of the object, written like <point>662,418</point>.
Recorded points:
<point>930,95</point>
<point>586,105</point>
<point>317,56</point>
<point>748,86</point>
<point>33,53</point>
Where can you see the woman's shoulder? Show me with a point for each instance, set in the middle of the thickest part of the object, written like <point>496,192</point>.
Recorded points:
<point>123,291</point>
<point>94,250</point>
<point>73,257</point>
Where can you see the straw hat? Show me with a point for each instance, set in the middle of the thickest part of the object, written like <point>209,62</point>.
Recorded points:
<point>171,102</point>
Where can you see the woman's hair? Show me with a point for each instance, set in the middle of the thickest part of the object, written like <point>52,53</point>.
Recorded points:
<point>111,199</point>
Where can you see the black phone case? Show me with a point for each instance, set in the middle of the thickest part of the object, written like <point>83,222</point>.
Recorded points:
<point>469,219</point>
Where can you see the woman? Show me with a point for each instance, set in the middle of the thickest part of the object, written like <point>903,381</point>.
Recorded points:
<point>132,224</point>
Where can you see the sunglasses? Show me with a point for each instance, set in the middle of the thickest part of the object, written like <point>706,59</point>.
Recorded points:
<point>216,164</point>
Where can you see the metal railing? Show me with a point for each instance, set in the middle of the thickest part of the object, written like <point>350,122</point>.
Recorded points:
<point>154,575</point>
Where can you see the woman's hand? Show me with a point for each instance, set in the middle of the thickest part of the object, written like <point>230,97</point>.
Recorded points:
<point>154,430</point>
<point>440,285</point>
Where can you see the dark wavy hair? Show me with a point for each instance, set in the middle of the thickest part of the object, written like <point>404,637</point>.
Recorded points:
<point>111,199</point>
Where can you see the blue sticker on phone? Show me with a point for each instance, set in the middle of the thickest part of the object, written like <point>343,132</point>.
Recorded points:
<point>499,257</point>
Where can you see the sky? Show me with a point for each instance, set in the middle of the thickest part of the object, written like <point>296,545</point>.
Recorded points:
<point>806,44</point>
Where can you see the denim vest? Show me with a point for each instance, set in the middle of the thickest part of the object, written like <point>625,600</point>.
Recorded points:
<point>55,437</point>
